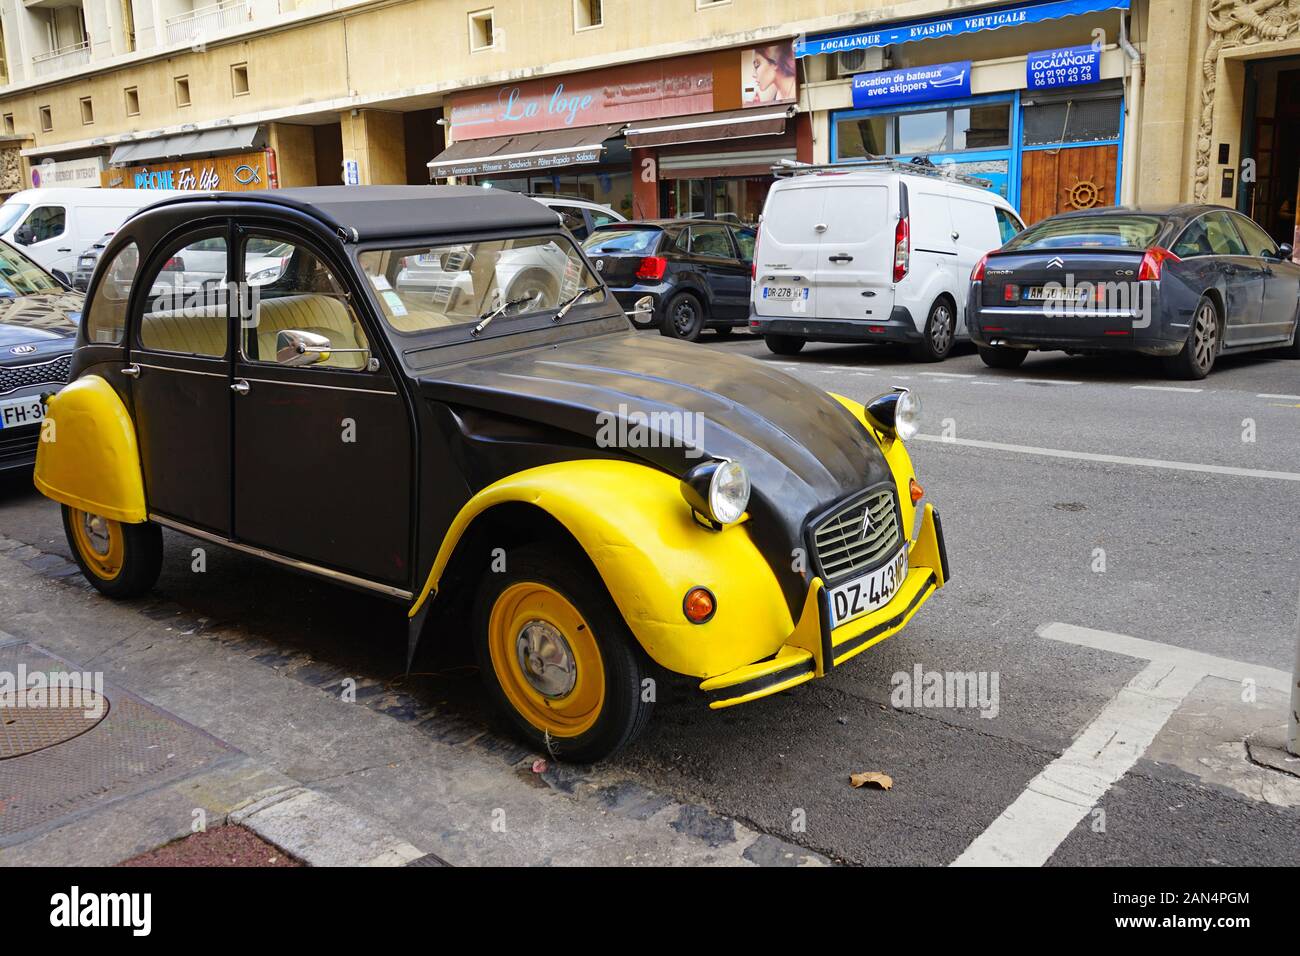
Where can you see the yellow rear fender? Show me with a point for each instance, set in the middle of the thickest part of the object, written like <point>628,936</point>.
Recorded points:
<point>638,531</point>
<point>87,457</point>
<point>896,456</point>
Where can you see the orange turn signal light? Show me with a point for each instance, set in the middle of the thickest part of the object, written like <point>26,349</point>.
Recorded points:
<point>699,605</point>
<point>917,491</point>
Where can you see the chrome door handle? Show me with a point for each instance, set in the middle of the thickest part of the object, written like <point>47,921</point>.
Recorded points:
<point>131,371</point>
<point>240,387</point>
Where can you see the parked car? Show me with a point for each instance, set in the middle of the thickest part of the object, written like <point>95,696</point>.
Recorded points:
<point>55,226</point>
<point>579,216</point>
<point>1187,283</point>
<point>38,322</point>
<point>86,262</point>
<point>681,276</point>
<point>645,497</point>
<point>875,254</point>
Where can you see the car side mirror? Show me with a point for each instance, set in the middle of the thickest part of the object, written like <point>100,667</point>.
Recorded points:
<point>1286,251</point>
<point>62,279</point>
<point>294,347</point>
<point>24,235</point>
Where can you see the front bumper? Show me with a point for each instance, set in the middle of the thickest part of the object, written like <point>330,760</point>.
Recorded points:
<point>814,648</point>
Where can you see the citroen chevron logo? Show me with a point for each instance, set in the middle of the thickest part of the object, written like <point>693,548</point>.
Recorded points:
<point>1057,263</point>
<point>867,524</point>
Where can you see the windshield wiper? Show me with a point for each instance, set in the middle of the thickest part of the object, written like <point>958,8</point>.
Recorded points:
<point>570,302</point>
<point>486,318</point>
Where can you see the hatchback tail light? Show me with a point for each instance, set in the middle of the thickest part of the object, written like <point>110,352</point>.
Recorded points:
<point>652,267</point>
<point>902,249</point>
<point>1153,262</point>
<point>977,274</point>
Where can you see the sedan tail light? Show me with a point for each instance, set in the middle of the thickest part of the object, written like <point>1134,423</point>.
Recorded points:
<point>977,274</point>
<point>902,249</point>
<point>1153,262</point>
<point>652,267</point>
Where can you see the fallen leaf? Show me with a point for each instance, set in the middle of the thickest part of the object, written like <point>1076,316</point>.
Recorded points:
<point>872,778</point>
<point>539,766</point>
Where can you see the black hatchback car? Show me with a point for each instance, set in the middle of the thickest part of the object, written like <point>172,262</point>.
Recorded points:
<point>1187,283</point>
<point>680,276</point>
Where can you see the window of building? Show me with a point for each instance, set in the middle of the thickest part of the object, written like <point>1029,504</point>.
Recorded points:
<point>131,96</point>
<point>482,32</point>
<point>87,111</point>
<point>182,91</point>
<point>587,14</point>
<point>239,79</point>
<point>1072,121</point>
<point>47,120</point>
<point>9,123</point>
<point>922,132</point>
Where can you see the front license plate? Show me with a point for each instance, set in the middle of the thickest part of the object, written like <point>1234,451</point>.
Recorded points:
<point>870,592</point>
<point>1040,293</point>
<point>21,411</point>
<point>784,292</point>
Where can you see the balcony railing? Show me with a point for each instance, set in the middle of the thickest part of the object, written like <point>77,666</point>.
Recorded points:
<point>64,58</point>
<point>206,21</point>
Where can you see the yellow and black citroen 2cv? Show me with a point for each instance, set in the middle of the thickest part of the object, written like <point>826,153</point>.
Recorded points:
<point>419,391</point>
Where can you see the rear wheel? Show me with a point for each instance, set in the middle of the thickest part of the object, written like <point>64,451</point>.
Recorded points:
<point>784,344</point>
<point>940,330</point>
<point>684,317</point>
<point>997,357</point>
<point>557,657</point>
<point>120,560</point>
<point>1202,346</point>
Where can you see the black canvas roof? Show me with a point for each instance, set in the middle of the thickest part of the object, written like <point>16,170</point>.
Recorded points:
<point>377,212</point>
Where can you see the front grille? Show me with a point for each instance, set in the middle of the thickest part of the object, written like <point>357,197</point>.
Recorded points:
<point>55,372</point>
<point>841,547</point>
<point>18,445</point>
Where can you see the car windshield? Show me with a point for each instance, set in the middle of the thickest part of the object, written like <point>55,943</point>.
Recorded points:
<point>634,241</point>
<point>20,276</point>
<point>1088,232</point>
<point>10,213</point>
<point>432,287</point>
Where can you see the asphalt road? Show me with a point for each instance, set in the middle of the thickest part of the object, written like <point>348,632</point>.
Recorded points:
<point>1191,490</point>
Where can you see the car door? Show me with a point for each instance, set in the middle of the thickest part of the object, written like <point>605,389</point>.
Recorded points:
<point>790,234</point>
<point>322,452</point>
<point>1243,279</point>
<point>712,252</point>
<point>46,236</point>
<point>1281,282</point>
<point>744,239</point>
<point>179,365</point>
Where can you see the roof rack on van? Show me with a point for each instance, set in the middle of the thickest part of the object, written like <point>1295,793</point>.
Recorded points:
<point>788,167</point>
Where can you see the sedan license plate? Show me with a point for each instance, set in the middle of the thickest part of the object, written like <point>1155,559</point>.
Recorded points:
<point>870,592</point>
<point>1053,293</point>
<point>784,292</point>
<point>15,412</point>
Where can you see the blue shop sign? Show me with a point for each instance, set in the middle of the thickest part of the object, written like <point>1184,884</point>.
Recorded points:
<point>995,19</point>
<point>1068,66</point>
<point>916,84</point>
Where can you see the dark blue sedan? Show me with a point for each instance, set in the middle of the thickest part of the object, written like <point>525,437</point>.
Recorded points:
<point>1187,283</point>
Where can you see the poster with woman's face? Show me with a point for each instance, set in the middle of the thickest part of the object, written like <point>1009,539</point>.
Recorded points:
<point>767,75</point>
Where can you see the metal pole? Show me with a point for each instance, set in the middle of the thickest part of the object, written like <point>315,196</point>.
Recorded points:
<point>1293,728</point>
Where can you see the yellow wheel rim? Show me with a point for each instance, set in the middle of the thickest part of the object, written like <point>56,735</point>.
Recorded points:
<point>546,659</point>
<point>100,543</point>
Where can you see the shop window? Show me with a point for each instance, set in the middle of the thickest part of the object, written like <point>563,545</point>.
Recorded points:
<point>923,133</point>
<point>865,136</point>
<point>47,120</point>
<point>239,79</point>
<point>87,111</point>
<point>482,32</point>
<point>1074,121</point>
<point>131,97</point>
<point>982,127</point>
<point>182,91</point>
<point>588,14</point>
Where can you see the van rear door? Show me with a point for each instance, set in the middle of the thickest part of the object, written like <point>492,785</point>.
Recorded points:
<point>855,268</point>
<point>786,258</point>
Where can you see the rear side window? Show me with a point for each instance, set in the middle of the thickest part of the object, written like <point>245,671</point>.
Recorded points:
<point>106,316</point>
<point>744,242</point>
<point>1089,232</point>
<point>711,241</point>
<point>613,241</point>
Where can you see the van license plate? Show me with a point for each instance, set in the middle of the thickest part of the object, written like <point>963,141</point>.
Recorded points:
<point>21,411</point>
<point>784,292</point>
<point>870,592</point>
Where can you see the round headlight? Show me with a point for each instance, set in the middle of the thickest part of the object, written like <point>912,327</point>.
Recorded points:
<point>728,492</point>
<point>907,416</point>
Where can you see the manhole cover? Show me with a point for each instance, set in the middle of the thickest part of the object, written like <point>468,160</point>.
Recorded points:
<point>33,724</point>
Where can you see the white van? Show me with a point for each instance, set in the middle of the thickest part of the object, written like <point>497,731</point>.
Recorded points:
<point>878,252</point>
<point>55,226</point>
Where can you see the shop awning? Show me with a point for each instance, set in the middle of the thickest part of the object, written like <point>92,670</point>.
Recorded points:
<point>223,139</point>
<point>524,152</point>
<point>990,18</point>
<point>733,124</point>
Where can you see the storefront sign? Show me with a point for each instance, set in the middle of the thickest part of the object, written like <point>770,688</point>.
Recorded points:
<point>1016,16</point>
<point>240,172</point>
<point>71,172</point>
<point>1069,66</point>
<point>632,92</point>
<point>488,166</point>
<point>918,84</point>
<point>768,75</point>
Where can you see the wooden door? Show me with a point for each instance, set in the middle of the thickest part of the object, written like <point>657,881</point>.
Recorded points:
<point>1063,180</point>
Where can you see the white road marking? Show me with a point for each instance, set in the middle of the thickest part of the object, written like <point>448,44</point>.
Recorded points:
<point>1165,388</point>
<point>1046,381</point>
<point>1115,459</point>
<point>1029,831</point>
<point>948,374</point>
<point>981,381</point>
<point>1294,398</point>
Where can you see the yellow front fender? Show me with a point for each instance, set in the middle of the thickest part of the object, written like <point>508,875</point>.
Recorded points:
<point>648,549</point>
<point>87,457</point>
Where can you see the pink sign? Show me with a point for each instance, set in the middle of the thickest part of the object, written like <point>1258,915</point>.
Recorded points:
<point>622,94</point>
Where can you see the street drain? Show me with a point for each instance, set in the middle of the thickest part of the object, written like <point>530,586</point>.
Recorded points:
<point>33,724</point>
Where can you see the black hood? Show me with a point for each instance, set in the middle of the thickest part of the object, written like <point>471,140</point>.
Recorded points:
<point>803,450</point>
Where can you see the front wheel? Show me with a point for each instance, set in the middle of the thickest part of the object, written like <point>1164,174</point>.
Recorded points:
<point>784,344</point>
<point>1201,349</point>
<point>120,560</point>
<point>558,659</point>
<point>998,357</point>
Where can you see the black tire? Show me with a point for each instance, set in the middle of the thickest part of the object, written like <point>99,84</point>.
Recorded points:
<point>784,344</point>
<point>1204,340</point>
<point>127,573</point>
<point>684,317</point>
<point>724,331</point>
<point>939,333</point>
<point>998,357</point>
<point>623,712</point>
